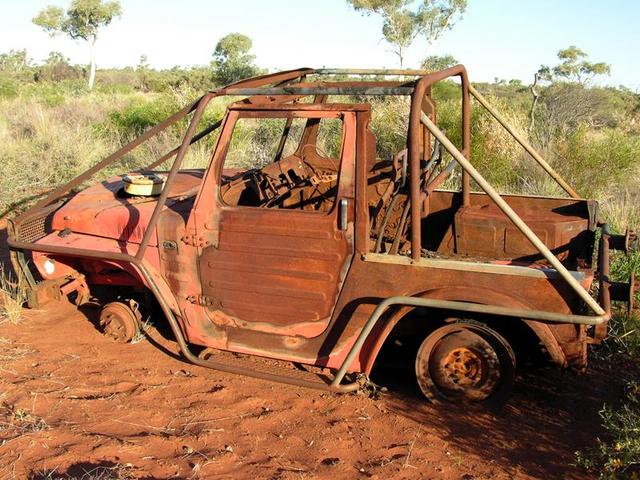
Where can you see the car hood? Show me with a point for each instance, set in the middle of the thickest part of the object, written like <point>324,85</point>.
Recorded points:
<point>102,209</point>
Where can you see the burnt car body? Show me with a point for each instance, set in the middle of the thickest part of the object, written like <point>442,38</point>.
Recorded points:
<point>320,258</point>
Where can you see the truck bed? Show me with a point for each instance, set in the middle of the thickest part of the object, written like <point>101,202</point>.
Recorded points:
<point>482,230</point>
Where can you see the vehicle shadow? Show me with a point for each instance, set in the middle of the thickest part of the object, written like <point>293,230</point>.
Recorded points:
<point>102,469</point>
<point>551,415</point>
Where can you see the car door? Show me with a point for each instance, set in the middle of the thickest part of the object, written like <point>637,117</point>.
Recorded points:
<point>278,269</point>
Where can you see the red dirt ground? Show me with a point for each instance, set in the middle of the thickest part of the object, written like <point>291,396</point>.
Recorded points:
<point>72,401</point>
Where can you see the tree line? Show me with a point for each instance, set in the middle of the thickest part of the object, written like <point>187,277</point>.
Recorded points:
<point>403,23</point>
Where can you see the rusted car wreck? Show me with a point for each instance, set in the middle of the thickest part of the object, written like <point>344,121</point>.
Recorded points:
<point>320,256</point>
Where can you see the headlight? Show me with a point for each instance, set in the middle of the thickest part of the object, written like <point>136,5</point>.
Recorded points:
<point>49,266</point>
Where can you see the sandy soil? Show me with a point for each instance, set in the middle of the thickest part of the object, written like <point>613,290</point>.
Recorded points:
<point>74,404</point>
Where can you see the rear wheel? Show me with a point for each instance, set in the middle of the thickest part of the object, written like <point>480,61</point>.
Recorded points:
<point>465,362</point>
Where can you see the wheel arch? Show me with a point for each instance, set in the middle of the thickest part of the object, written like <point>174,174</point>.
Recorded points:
<point>130,272</point>
<point>484,296</point>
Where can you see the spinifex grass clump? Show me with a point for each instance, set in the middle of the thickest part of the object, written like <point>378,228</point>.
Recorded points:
<point>45,144</point>
<point>13,295</point>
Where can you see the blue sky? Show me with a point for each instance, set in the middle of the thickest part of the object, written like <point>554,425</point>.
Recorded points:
<point>496,38</point>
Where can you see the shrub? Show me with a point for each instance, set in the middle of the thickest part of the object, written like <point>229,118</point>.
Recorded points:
<point>624,329</point>
<point>597,161</point>
<point>8,87</point>
<point>619,456</point>
<point>141,114</point>
<point>389,124</point>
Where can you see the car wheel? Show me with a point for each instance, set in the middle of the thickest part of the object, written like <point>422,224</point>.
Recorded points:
<point>465,362</point>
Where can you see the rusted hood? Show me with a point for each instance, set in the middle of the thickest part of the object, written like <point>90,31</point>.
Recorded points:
<point>102,209</point>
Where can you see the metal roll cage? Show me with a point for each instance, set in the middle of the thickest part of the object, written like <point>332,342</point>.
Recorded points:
<point>272,88</point>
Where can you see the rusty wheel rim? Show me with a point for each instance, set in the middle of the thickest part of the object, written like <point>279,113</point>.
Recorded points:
<point>462,366</point>
<point>118,322</point>
<point>465,364</point>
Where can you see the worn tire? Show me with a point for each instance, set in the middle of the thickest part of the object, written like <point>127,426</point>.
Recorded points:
<point>465,363</point>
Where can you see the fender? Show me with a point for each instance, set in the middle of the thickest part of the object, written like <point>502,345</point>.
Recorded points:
<point>483,296</point>
<point>105,245</point>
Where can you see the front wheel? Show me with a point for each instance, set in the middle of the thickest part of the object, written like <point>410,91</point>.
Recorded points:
<point>465,362</point>
<point>120,321</point>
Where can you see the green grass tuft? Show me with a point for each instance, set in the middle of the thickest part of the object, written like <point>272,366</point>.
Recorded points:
<point>620,457</point>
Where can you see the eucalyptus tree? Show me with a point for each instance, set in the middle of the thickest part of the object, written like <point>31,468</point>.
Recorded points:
<point>573,68</point>
<point>82,20</point>
<point>403,22</point>
<point>435,63</point>
<point>232,60</point>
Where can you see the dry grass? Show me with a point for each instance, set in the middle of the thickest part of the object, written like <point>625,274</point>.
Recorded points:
<point>10,351</point>
<point>622,208</point>
<point>13,295</point>
<point>145,330</point>
<point>44,145</point>
<point>16,422</point>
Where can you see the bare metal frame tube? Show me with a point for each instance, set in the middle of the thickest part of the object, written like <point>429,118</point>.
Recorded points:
<point>413,146</point>
<point>295,90</point>
<point>372,71</point>
<point>197,115</point>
